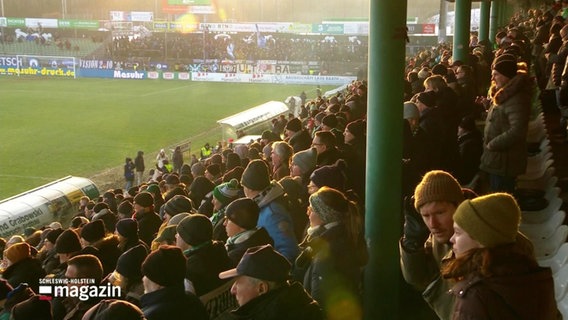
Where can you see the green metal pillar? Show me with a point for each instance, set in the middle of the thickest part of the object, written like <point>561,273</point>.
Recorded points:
<point>484,20</point>
<point>462,30</point>
<point>387,40</point>
<point>494,20</point>
<point>502,11</point>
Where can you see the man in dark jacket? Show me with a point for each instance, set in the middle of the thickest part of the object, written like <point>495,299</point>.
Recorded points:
<point>205,257</point>
<point>164,296</point>
<point>148,221</point>
<point>263,292</point>
<point>296,136</point>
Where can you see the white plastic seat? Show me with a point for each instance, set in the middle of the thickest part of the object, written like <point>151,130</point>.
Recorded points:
<point>542,215</point>
<point>548,247</point>
<point>541,231</point>
<point>563,307</point>
<point>537,168</point>
<point>557,261</point>
<point>548,180</point>
<point>560,283</point>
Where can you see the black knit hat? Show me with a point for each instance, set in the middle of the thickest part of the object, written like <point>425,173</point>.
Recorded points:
<point>144,199</point>
<point>213,169</point>
<point>506,64</point>
<point>256,176</point>
<point>195,229</point>
<point>358,128</point>
<point>53,234</point>
<point>428,98</point>
<point>440,69</point>
<point>332,176</point>
<point>172,179</point>
<point>33,308</point>
<point>127,228</point>
<point>79,221</point>
<point>294,125</point>
<point>177,204</point>
<point>68,242</point>
<point>243,212</point>
<point>330,120</point>
<point>125,208</point>
<point>93,231</point>
<point>99,207</point>
<point>129,263</point>
<point>233,161</point>
<point>165,266</point>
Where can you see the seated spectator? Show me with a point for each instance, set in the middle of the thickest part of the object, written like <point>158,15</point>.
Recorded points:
<point>22,267</point>
<point>333,253</point>
<point>223,195</point>
<point>280,156</point>
<point>33,308</point>
<point>240,223</point>
<point>174,206</point>
<point>274,214</point>
<point>128,275</point>
<point>47,254</point>
<point>164,296</point>
<point>114,309</point>
<point>93,235</point>
<point>205,257</point>
<point>470,142</point>
<point>262,289</point>
<point>83,266</point>
<point>148,221</point>
<point>127,234</point>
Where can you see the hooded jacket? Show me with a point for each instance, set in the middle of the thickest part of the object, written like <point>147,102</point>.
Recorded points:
<point>506,126</point>
<point>275,218</point>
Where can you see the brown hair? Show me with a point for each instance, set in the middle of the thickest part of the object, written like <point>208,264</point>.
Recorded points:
<point>501,260</point>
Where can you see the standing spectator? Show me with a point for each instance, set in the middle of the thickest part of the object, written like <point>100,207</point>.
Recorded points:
<point>163,273</point>
<point>495,269</point>
<point>505,148</point>
<point>139,163</point>
<point>160,159</point>
<point>427,232</point>
<point>148,221</point>
<point>129,167</point>
<point>177,159</point>
<point>206,151</point>
<point>356,151</point>
<point>262,289</point>
<point>274,215</point>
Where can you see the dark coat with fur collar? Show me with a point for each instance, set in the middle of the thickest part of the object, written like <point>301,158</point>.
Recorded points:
<point>504,149</point>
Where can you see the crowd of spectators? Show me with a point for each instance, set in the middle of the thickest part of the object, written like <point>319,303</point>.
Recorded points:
<point>282,218</point>
<point>185,48</point>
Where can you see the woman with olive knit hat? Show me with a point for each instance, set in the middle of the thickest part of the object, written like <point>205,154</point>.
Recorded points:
<point>496,272</point>
<point>333,253</point>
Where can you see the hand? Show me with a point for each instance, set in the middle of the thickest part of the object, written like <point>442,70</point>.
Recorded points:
<point>415,230</point>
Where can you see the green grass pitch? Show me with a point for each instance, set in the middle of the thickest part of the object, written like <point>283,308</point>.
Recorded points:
<point>51,128</point>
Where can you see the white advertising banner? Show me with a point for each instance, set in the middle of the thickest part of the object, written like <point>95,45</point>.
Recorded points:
<point>270,78</point>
